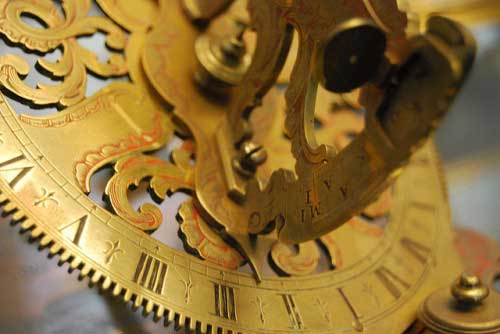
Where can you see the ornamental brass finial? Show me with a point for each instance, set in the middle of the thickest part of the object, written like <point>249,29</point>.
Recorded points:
<point>469,290</point>
<point>468,308</point>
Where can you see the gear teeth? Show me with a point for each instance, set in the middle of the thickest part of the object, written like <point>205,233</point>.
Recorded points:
<point>148,308</point>
<point>18,216</point>
<point>137,302</point>
<point>26,225</point>
<point>9,208</point>
<point>75,263</point>
<point>169,318</point>
<point>84,272</point>
<point>95,278</point>
<point>45,241</point>
<point>64,257</point>
<point>127,296</point>
<point>190,325</point>
<point>37,234</point>
<point>179,321</point>
<point>230,331</point>
<point>106,284</point>
<point>55,249</point>
<point>117,289</point>
<point>201,327</point>
<point>159,313</point>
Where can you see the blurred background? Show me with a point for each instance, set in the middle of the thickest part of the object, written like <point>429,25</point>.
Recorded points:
<point>38,297</point>
<point>469,140</point>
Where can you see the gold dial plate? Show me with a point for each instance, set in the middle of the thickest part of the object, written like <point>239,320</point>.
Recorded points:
<point>414,256</point>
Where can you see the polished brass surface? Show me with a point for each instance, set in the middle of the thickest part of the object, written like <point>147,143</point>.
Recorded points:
<point>324,192</point>
<point>337,202</point>
<point>202,10</point>
<point>468,289</point>
<point>467,11</point>
<point>223,60</point>
<point>467,309</point>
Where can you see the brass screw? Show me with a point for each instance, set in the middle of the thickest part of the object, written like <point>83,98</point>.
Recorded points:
<point>251,157</point>
<point>468,289</point>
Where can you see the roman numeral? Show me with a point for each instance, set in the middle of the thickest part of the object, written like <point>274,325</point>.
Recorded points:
<point>5,166</point>
<point>151,273</point>
<point>391,281</point>
<point>422,206</point>
<point>80,227</point>
<point>419,251</point>
<point>314,210</point>
<point>224,301</point>
<point>356,323</point>
<point>293,311</point>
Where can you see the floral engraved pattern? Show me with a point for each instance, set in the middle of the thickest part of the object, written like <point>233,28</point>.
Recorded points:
<point>164,179</point>
<point>60,32</point>
<point>203,241</point>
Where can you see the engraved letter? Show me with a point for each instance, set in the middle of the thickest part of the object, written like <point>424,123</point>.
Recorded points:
<point>151,273</point>
<point>224,301</point>
<point>293,311</point>
<point>82,221</point>
<point>389,280</point>
<point>419,251</point>
<point>23,171</point>
<point>356,324</point>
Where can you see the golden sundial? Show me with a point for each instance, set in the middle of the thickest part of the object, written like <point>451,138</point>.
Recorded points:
<point>299,132</point>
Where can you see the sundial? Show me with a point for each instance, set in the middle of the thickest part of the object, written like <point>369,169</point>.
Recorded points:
<point>299,133</point>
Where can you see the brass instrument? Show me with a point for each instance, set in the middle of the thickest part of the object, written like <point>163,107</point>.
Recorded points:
<point>299,133</point>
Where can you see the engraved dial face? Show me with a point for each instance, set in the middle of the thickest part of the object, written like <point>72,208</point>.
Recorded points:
<point>368,276</point>
<point>375,292</point>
